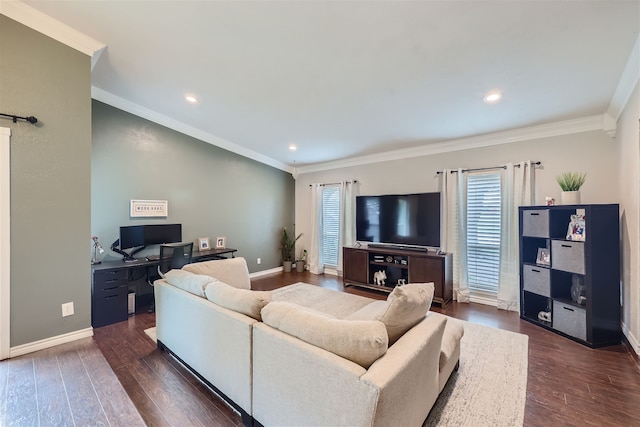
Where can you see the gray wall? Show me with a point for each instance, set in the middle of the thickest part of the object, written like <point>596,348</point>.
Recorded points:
<point>50,181</point>
<point>211,192</point>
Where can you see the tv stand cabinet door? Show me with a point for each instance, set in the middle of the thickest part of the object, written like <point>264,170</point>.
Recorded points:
<point>436,270</point>
<point>355,266</point>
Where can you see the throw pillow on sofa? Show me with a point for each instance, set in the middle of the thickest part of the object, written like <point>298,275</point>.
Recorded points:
<point>362,342</point>
<point>243,301</point>
<point>192,283</point>
<point>405,307</point>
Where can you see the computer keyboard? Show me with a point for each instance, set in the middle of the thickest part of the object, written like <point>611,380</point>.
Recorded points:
<point>153,257</point>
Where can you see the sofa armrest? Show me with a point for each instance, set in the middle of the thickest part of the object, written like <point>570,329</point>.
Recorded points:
<point>407,376</point>
<point>213,340</point>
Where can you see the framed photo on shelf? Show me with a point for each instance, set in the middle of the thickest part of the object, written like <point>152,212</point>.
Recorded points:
<point>576,230</point>
<point>204,244</point>
<point>221,242</point>
<point>544,257</point>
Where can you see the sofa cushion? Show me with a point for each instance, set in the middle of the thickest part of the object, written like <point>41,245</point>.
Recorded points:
<point>362,342</point>
<point>243,301</point>
<point>233,271</point>
<point>328,301</point>
<point>405,306</point>
<point>193,283</point>
<point>372,311</point>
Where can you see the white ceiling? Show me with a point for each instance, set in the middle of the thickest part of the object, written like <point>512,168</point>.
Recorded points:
<point>342,79</point>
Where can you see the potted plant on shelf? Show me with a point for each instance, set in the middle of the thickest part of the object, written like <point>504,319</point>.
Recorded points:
<point>287,247</point>
<point>302,259</point>
<point>570,183</point>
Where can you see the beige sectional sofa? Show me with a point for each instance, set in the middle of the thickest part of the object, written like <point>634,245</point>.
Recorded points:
<point>305,355</point>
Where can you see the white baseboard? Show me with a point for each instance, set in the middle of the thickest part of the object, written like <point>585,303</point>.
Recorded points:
<point>483,300</point>
<point>332,271</point>
<point>49,342</point>
<point>632,340</point>
<point>265,272</point>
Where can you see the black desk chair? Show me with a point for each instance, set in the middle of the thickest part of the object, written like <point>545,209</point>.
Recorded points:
<point>172,256</point>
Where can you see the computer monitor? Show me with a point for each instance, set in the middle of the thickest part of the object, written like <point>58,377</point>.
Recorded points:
<point>131,236</point>
<point>135,236</point>
<point>162,233</point>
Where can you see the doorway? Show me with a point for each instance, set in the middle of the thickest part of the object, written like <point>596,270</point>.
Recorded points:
<point>5,239</point>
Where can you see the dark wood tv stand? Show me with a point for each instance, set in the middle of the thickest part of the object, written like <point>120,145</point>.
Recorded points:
<point>361,263</point>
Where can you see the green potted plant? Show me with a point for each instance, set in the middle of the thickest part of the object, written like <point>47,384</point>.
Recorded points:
<point>287,248</point>
<point>302,259</point>
<point>570,183</point>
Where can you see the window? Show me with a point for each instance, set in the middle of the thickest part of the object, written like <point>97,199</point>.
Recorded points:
<point>483,232</point>
<point>330,225</point>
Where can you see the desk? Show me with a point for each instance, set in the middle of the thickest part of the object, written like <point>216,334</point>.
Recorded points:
<point>110,284</point>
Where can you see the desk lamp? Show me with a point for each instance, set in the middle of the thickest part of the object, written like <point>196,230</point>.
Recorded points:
<point>97,249</point>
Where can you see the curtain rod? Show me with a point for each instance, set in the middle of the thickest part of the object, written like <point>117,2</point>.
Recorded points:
<point>15,118</point>
<point>489,168</point>
<point>336,183</point>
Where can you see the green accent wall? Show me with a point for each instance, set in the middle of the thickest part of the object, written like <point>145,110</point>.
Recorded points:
<point>50,181</point>
<point>212,192</point>
<point>75,171</point>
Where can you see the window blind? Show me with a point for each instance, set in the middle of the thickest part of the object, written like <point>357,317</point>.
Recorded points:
<point>330,224</point>
<point>483,231</point>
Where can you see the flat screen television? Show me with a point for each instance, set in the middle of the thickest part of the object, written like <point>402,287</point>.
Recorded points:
<point>134,236</point>
<point>410,220</point>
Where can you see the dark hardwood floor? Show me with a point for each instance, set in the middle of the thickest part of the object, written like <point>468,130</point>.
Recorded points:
<point>568,384</point>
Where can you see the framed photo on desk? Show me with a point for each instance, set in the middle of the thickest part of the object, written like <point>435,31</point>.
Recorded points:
<point>221,242</point>
<point>204,244</point>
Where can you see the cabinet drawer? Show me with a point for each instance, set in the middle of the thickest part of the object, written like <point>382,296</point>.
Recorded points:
<point>105,279</point>
<point>536,279</point>
<point>109,309</point>
<point>567,256</point>
<point>570,319</point>
<point>113,289</point>
<point>535,223</point>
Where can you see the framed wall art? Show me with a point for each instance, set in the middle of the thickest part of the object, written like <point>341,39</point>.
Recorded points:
<point>148,208</point>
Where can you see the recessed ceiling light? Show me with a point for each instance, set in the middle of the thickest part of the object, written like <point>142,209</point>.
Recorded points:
<point>492,97</point>
<point>192,99</point>
<point>293,147</point>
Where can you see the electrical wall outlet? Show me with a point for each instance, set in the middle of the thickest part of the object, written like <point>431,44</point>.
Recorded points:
<point>67,309</point>
<point>259,260</point>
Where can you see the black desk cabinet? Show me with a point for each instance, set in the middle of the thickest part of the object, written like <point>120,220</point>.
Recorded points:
<point>110,284</point>
<point>109,293</point>
<point>578,287</point>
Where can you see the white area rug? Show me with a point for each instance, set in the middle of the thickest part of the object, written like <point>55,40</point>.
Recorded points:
<point>490,388</point>
<point>151,332</point>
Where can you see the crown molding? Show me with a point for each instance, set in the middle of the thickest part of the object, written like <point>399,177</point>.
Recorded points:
<point>50,27</point>
<point>567,127</point>
<point>135,109</point>
<point>609,125</point>
<point>626,84</point>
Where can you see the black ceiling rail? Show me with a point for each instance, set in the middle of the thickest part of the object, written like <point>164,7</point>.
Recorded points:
<point>15,118</point>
